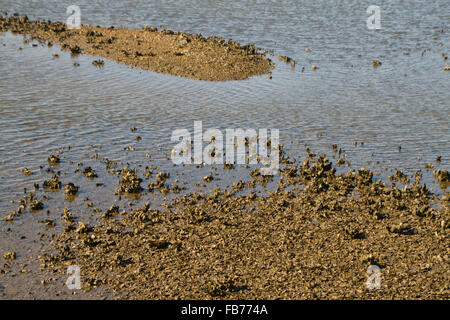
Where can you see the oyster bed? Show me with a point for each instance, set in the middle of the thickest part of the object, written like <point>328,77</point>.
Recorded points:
<point>176,53</point>
<point>312,238</point>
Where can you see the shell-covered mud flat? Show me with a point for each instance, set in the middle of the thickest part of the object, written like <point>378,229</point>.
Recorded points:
<point>176,53</point>
<point>313,237</point>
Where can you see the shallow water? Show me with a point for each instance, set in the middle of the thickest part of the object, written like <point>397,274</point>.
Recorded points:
<point>46,103</point>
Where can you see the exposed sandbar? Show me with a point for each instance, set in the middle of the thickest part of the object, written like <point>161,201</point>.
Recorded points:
<point>176,53</point>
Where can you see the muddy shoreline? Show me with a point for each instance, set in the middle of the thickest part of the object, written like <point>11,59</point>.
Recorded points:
<point>165,51</point>
<point>314,237</point>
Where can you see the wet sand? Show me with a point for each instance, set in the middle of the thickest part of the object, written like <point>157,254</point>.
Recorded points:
<point>165,51</point>
<point>314,237</point>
